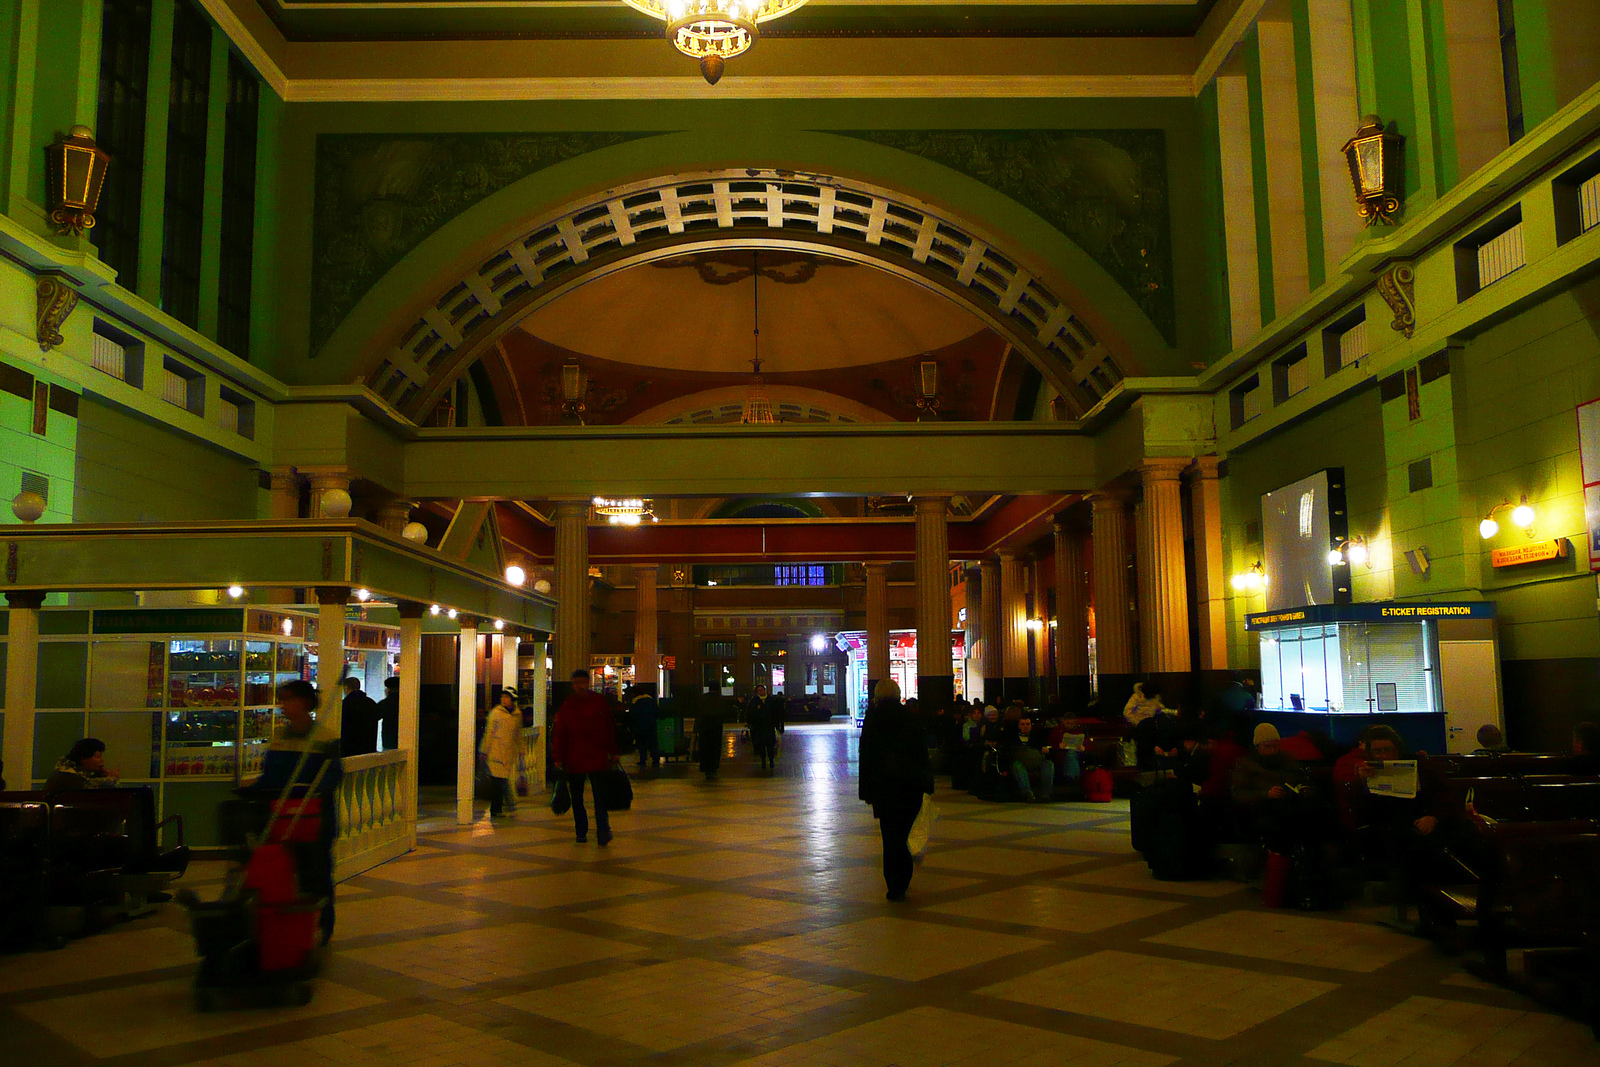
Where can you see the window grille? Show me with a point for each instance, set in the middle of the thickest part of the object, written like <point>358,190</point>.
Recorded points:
<point>174,388</point>
<point>1353,344</point>
<point>109,357</point>
<point>228,415</point>
<point>1589,204</point>
<point>1297,376</point>
<point>1499,256</point>
<point>186,164</point>
<point>1253,402</point>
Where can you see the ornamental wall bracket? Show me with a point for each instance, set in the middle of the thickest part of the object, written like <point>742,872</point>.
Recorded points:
<point>56,300</point>
<point>1397,287</point>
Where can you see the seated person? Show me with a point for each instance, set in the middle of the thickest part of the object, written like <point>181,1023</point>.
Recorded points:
<point>1273,794</point>
<point>1031,767</point>
<point>83,767</point>
<point>1067,741</point>
<point>1491,742</point>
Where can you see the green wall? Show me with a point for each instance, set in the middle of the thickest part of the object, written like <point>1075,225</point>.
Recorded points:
<point>130,470</point>
<point>50,454</point>
<point>763,124</point>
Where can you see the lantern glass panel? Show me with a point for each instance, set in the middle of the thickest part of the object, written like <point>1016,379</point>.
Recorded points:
<point>1369,161</point>
<point>79,165</point>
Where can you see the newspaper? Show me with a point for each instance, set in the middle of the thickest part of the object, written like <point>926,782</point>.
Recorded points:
<point>1394,778</point>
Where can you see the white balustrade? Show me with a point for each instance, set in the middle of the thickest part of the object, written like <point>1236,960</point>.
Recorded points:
<point>533,759</point>
<point>375,814</point>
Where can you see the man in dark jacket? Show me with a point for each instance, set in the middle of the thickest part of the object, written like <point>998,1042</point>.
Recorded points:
<point>708,722</point>
<point>764,721</point>
<point>84,767</point>
<point>389,710</point>
<point>642,714</point>
<point>583,743</point>
<point>895,776</point>
<point>358,721</point>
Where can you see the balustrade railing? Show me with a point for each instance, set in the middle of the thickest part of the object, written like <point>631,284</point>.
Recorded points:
<point>533,759</point>
<point>375,814</point>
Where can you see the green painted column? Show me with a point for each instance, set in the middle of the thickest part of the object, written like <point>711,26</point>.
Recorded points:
<point>22,29</point>
<point>152,208</point>
<point>1366,60</point>
<point>1423,141</point>
<point>1251,50</point>
<point>1310,144</point>
<point>1536,61</point>
<point>211,222</point>
<point>264,343</point>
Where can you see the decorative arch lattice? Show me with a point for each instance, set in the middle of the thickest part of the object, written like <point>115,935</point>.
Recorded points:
<point>743,209</point>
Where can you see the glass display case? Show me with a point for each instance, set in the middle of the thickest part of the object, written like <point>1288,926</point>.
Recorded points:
<point>184,699</point>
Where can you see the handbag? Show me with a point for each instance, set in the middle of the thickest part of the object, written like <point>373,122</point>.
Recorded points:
<point>1098,785</point>
<point>561,799</point>
<point>618,790</point>
<point>917,840</point>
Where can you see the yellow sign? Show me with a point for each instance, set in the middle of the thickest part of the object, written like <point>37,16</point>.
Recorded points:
<point>1537,552</point>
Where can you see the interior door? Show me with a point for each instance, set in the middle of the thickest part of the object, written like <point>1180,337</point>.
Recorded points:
<point>1469,683</point>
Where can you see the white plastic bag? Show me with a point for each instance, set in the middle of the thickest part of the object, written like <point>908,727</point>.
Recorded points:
<point>917,841</point>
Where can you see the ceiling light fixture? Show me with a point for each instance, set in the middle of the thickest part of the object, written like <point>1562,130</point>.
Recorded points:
<point>757,408</point>
<point>624,511</point>
<point>236,591</point>
<point>714,31</point>
<point>515,575</point>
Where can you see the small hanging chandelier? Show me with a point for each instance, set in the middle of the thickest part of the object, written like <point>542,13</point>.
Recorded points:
<point>757,408</point>
<point>624,511</point>
<point>714,31</point>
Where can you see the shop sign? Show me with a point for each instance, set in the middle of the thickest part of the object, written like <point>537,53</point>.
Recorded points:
<point>1390,611</point>
<point>669,662</point>
<point>169,621</point>
<point>1537,552</point>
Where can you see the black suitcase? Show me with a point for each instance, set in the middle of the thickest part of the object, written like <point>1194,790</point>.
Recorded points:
<point>1169,833</point>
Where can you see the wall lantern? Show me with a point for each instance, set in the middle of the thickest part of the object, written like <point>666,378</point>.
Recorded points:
<point>928,386</point>
<point>75,172</point>
<point>1252,581</point>
<point>1377,169</point>
<point>1354,552</point>
<point>1521,514</point>
<point>574,387</point>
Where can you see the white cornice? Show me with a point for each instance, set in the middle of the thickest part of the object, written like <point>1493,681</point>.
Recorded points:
<point>418,90</point>
<point>248,46</point>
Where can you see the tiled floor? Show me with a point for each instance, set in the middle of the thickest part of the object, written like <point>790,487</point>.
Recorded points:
<point>742,922</point>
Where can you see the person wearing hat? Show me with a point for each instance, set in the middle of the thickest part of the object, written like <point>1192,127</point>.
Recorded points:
<point>1272,792</point>
<point>502,737</point>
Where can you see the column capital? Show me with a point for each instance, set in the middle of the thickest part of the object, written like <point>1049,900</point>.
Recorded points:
<point>32,599</point>
<point>467,622</point>
<point>876,566</point>
<point>1204,467</point>
<point>646,568</point>
<point>930,504</point>
<point>1162,469</point>
<point>284,478</point>
<point>411,609</point>
<point>327,477</point>
<point>1108,499</point>
<point>333,594</point>
<point>570,508</point>
<point>1007,555</point>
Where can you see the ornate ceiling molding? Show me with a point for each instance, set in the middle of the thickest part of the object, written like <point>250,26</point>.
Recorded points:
<point>750,208</point>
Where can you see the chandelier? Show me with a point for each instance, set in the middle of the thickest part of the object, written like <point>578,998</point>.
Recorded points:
<point>624,511</point>
<point>714,31</point>
<point>757,408</point>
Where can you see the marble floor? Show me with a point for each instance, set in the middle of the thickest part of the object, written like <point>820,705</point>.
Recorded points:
<point>742,922</point>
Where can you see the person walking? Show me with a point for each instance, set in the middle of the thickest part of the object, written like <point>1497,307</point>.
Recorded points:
<point>708,722</point>
<point>502,738</point>
<point>763,730</point>
<point>895,776</point>
<point>312,748</point>
<point>358,721</point>
<point>389,714</point>
<point>583,743</point>
<point>642,714</point>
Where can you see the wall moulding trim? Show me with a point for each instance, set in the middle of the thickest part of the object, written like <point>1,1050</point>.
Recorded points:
<point>778,87</point>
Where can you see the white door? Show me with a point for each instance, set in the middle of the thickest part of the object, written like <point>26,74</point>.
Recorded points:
<point>1470,684</point>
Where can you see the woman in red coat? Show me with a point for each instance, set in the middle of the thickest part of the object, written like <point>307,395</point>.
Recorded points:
<point>583,743</point>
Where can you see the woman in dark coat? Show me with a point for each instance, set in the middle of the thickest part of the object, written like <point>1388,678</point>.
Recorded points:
<point>764,721</point>
<point>895,776</point>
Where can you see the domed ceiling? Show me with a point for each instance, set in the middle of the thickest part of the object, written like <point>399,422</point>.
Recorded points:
<point>671,342</point>
<point>697,312</point>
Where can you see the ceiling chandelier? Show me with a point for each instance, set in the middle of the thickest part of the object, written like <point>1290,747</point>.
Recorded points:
<point>714,31</point>
<point>624,511</point>
<point>757,408</point>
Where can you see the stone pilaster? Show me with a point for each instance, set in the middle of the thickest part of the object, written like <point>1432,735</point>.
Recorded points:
<point>993,648</point>
<point>1164,603</point>
<point>935,684</point>
<point>1113,628</point>
<point>645,655</point>
<point>1072,615</point>
<point>877,625</point>
<point>1211,591</point>
<point>572,593</point>
<point>1014,626</point>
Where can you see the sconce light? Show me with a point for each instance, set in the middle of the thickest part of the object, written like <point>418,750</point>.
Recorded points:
<point>1252,581</point>
<point>1036,625</point>
<point>574,387</point>
<point>1352,551</point>
<point>1376,170</point>
<point>1521,514</point>
<point>928,384</point>
<point>236,590</point>
<point>75,172</point>
<point>515,575</point>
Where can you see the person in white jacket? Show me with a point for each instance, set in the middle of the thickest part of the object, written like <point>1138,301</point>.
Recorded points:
<point>502,737</point>
<point>1140,707</point>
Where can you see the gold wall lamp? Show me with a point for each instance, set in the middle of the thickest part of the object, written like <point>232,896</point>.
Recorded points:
<point>1377,170</point>
<point>75,172</point>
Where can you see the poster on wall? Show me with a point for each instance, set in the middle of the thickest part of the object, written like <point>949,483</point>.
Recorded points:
<point>1589,456</point>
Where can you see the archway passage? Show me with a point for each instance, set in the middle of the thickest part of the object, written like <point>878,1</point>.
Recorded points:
<point>746,209</point>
